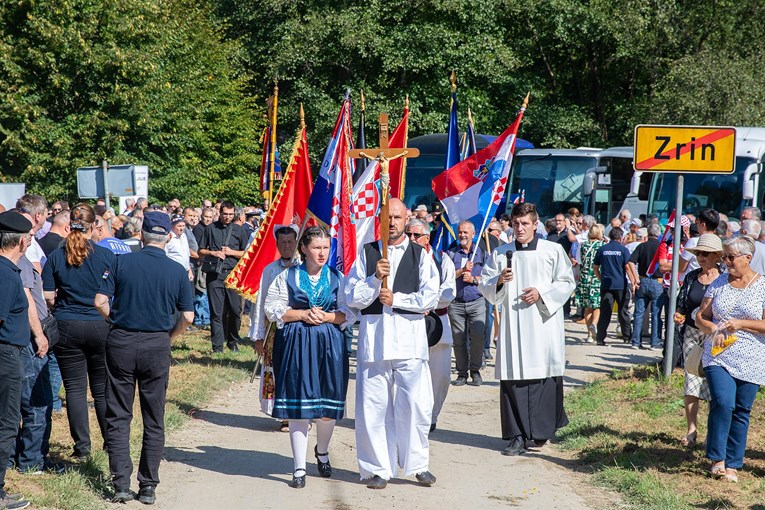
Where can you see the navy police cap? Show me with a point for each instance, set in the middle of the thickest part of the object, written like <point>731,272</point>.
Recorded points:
<point>156,222</point>
<point>12,222</point>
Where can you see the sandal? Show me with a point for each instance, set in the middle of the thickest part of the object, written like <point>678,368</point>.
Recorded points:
<point>718,471</point>
<point>731,475</point>
<point>689,441</point>
<point>285,426</point>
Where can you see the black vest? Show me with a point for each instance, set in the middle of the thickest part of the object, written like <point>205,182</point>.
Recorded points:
<point>407,278</point>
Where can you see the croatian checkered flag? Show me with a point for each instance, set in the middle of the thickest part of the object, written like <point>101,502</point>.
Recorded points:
<point>366,205</point>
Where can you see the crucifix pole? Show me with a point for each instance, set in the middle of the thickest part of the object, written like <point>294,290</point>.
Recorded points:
<point>383,157</point>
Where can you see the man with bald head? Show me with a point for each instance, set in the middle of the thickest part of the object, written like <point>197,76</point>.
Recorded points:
<point>394,396</point>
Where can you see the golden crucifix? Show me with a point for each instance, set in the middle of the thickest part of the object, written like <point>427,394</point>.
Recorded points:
<point>384,155</point>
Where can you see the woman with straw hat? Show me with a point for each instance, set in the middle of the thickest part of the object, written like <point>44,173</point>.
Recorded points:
<point>708,252</point>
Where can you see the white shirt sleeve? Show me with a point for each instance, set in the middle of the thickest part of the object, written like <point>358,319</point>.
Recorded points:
<point>277,300</point>
<point>361,289</point>
<point>448,290</point>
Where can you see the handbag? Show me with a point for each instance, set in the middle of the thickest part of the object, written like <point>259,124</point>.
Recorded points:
<point>50,330</point>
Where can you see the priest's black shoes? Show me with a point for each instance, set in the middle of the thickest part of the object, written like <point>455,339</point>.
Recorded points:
<point>325,470</point>
<point>376,482</point>
<point>425,478</point>
<point>147,495</point>
<point>298,482</point>
<point>516,447</point>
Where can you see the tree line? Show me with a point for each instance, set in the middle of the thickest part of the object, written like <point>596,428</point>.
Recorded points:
<point>181,85</point>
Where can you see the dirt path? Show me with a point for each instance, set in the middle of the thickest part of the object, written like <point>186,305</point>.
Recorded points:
<point>233,457</point>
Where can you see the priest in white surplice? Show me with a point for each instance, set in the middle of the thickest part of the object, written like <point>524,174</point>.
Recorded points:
<point>531,350</point>
<point>394,397</point>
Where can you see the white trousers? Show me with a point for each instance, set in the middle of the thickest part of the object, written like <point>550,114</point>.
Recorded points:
<point>394,401</point>
<point>440,373</point>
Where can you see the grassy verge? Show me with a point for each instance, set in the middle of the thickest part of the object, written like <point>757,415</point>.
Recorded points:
<point>626,430</point>
<point>195,377</point>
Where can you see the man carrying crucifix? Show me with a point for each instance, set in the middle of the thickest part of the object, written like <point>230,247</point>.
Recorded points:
<point>394,396</point>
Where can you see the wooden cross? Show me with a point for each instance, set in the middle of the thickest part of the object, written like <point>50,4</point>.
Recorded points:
<point>383,157</point>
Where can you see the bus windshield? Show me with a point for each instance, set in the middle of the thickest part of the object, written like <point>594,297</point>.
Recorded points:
<point>553,183</point>
<point>719,192</point>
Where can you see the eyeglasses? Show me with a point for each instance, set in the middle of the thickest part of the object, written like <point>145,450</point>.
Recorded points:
<point>415,236</point>
<point>731,258</point>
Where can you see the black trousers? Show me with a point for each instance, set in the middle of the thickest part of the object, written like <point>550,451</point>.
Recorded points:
<point>143,359</point>
<point>225,312</point>
<point>80,355</point>
<point>607,299</point>
<point>10,404</point>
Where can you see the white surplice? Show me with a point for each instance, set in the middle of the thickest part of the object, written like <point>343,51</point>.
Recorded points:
<point>394,397</point>
<point>532,337</point>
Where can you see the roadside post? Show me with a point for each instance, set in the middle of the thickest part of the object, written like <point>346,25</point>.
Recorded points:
<point>682,150</point>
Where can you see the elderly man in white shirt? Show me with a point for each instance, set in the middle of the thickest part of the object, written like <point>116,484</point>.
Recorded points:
<point>394,396</point>
<point>177,248</point>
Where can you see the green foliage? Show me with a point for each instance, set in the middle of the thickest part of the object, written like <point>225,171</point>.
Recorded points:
<point>133,81</point>
<point>594,68</point>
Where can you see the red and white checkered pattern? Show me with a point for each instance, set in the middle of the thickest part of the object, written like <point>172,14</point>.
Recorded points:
<point>367,202</point>
<point>334,227</point>
<point>499,190</point>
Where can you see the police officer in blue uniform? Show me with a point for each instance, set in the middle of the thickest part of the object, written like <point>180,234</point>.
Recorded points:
<point>15,237</point>
<point>148,291</point>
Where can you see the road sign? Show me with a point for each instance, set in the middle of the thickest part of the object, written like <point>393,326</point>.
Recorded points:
<point>686,149</point>
<point>124,180</point>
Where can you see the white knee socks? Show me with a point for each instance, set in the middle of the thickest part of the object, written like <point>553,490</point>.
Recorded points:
<point>324,429</point>
<point>299,443</point>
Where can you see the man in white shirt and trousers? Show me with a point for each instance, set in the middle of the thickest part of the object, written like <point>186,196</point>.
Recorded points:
<point>394,396</point>
<point>532,279</point>
<point>286,244</point>
<point>440,361</point>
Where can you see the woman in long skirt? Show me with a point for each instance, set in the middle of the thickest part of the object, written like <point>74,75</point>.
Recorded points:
<point>307,303</point>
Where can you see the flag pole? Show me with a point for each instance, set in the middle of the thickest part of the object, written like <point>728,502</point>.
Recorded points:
<point>402,186</point>
<point>272,149</point>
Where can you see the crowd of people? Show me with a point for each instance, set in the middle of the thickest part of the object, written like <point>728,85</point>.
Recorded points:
<point>81,278</point>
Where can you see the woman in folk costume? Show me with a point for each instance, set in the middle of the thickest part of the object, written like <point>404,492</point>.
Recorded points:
<point>307,303</point>
<point>532,279</point>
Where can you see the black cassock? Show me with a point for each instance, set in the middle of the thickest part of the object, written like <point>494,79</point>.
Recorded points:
<point>532,409</point>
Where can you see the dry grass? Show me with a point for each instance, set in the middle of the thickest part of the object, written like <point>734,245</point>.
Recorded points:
<point>195,377</point>
<point>626,429</point>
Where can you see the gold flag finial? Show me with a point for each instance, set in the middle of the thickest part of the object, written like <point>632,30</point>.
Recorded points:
<point>302,117</point>
<point>453,80</point>
<point>276,87</point>
<point>406,101</point>
<point>526,100</point>
<point>470,116</point>
<point>363,104</point>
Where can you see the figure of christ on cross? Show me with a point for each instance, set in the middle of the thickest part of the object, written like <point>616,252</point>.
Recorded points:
<point>384,155</point>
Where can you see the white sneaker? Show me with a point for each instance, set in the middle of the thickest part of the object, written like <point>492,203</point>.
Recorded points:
<point>593,334</point>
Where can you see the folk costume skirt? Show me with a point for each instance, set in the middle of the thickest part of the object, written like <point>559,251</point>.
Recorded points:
<point>309,366</point>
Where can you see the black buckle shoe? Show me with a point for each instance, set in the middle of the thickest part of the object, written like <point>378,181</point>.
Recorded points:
<point>325,469</point>
<point>298,482</point>
<point>376,482</point>
<point>516,447</point>
<point>477,380</point>
<point>425,478</point>
<point>122,496</point>
<point>147,495</point>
